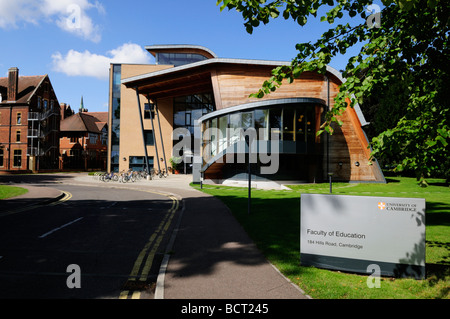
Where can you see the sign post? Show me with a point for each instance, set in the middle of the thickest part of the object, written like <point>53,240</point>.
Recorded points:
<point>350,233</point>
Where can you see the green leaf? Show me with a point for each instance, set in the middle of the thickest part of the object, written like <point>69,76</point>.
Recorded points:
<point>442,140</point>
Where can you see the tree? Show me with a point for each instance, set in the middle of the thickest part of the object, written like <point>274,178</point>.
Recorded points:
<point>404,47</point>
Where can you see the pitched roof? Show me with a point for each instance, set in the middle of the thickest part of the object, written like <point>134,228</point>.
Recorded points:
<point>27,87</point>
<point>84,122</point>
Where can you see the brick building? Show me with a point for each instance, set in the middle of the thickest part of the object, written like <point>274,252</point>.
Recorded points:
<point>83,139</point>
<point>29,123</point>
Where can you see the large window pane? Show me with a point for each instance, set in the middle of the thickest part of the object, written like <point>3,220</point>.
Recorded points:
<point>148,137</point>
<point>223,125</point>
<point>247,120</point>
<point>235,126</point>
<point>275,120</point>
<point>262,124</point>
<point>310,124</point>
<point>213,130</point>
<point>179,115</point>
<point>17,158</point>
<point>300,124</point>
<point>288,124</point>
<point>188,109</point>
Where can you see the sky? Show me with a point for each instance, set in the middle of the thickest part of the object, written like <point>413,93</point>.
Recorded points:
<point>74,41</point>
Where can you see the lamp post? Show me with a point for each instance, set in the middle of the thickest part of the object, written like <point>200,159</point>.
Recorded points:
<point>331,185</point>
<point>247,141</point>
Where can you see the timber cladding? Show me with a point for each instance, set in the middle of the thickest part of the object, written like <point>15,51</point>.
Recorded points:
<point>349,154</point>
<point>236,83</point>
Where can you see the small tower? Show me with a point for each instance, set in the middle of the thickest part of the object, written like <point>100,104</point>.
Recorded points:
<point>82,109</point>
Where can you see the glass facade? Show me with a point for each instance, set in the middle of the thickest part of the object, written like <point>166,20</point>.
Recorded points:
<point>115,113</point>
<point>295,124</point>
<point>178,59</point>
<point>188,109</point>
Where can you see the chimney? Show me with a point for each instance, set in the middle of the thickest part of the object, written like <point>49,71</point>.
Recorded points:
<point>63,110</point>
<point>13,84</point>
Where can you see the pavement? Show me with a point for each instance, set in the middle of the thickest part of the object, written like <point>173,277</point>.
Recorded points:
<point>209,256</point>
<point>36,195</point>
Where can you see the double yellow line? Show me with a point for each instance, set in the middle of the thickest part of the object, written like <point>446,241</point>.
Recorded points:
<point>66,196</point>
<point>139,273</point>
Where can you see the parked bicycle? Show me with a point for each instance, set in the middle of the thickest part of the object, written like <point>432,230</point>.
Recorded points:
<point>127,176</point>
<point>109,177</point>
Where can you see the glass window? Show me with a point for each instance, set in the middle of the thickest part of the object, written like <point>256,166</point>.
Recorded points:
<point>288,124</point>
<point>93,138</point>
<point>19,118</point>
<point>147,109</point>
<point>262,124</point>
<point>206,140</point>
<point>117,74</point>
<point>223,125</point>
<point>275,120</point>
<point>188,119</point>
<point>235,127</point>
<point>115,157</point>
<point>137,163</point>
<point>17,136</point>
<point>179,114</point>
<point>188,109</point>
<point>178,59</point>
<point>1,157</point>
<point>310,124</point>
<point>247,120</point>
<point>148,137</point>
<point>213,131</point>
<point>17,158</point>
<point>300,124</point>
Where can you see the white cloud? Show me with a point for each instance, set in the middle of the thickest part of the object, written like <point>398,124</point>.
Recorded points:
<point>76,63</point>
<point>69,15</point>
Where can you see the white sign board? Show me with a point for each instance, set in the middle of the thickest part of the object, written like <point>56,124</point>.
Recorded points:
<point>352,232</point>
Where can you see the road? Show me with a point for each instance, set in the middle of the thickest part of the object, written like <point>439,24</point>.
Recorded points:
<point>97,242</point>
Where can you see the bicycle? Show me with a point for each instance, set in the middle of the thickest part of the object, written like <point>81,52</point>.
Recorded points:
<point>127,177</point>
<point>162,173</point>
<point>108,177</point>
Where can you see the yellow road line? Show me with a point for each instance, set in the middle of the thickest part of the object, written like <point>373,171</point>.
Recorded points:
<point>124,294</point>
<point>155,240</point>
<point>66,197</point>
<point>151,256</point>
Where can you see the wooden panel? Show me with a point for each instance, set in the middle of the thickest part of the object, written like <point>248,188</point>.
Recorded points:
<point>236,83</point>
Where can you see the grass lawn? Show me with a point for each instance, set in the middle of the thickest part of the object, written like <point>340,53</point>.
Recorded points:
<point>11,191</point>
<point>274,225</point>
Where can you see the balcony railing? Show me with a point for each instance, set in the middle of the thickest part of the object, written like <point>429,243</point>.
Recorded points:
<point>33,116</point>
<point>34,133</point>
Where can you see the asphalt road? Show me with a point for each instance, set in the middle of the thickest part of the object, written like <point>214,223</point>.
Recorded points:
<point>95,243</point>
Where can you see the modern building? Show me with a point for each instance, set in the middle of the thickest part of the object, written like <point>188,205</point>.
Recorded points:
<point>193,101</point>
<point>29,123</point>
<point>83,140</point>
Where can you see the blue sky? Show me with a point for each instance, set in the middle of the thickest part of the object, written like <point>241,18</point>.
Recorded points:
<point>73,41</point>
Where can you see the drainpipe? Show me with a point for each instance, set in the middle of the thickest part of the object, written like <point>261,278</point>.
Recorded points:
<point>9,142</point>
<point>328,134</point>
